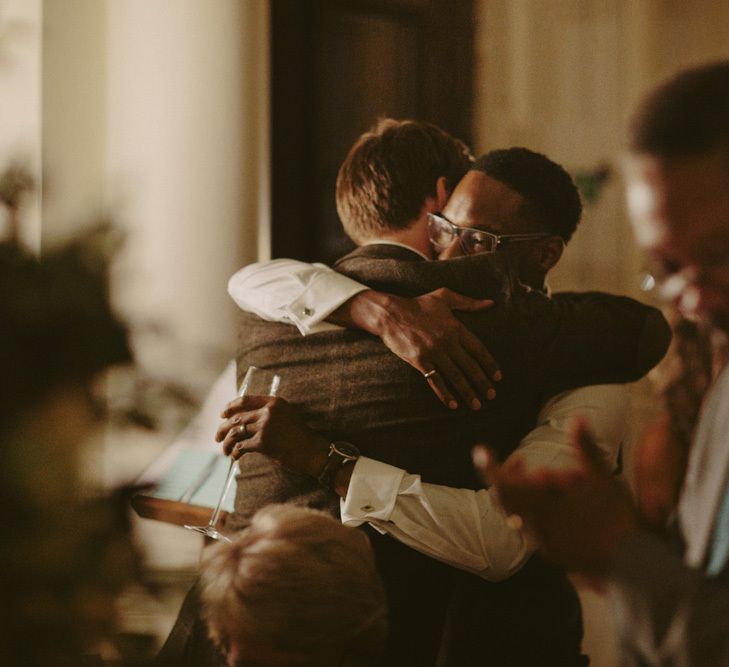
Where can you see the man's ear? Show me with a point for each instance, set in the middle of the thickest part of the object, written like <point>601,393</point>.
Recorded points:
<point>550,252</point>
<point>442,193</point>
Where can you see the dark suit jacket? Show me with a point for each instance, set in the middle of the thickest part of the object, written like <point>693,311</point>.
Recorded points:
<point>352,388</point>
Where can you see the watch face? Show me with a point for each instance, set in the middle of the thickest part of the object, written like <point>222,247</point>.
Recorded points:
<point>347,449</point>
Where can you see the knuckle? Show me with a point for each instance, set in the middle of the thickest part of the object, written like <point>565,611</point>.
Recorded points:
<point>432,342</point>
<point>419,358</point>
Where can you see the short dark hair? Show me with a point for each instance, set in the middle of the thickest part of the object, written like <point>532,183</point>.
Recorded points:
<point>552,199</point>
<point>686,115</point>
<point>390,171</point>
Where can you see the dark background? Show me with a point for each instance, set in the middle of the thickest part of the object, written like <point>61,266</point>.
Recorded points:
<point>338,66</point>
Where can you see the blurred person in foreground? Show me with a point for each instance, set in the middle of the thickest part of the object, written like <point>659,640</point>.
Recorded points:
<point>670,592</point>
<point>63,556</point>
<point>295,588</point>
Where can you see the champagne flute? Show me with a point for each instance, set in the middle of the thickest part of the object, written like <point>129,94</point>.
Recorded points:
<point>210,530</point>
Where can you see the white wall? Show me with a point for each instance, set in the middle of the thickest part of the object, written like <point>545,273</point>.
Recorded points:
<point>562,76</point>
<point>156,111</point>
<point>74,116</point>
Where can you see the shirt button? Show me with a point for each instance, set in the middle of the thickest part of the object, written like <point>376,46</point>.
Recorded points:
<point>367,508</point>
<point>308,312</point>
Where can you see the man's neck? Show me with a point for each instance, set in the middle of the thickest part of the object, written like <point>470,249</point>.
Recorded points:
<point>414,237</point>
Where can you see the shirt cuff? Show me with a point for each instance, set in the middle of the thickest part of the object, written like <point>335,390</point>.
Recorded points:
<point>372,493</point>
<point>322,296</point>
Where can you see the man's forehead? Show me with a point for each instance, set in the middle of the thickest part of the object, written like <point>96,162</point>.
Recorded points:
<point>679,207</point>
<point>645,195</point>
<point>482,201</point>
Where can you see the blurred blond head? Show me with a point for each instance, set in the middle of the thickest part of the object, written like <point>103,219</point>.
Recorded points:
<point>295,588</point>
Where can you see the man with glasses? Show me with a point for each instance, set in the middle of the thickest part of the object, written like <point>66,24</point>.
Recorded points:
<point>351,387</point>
<point>670,592</point>
<point>508,195</point>
<point>472,240</point>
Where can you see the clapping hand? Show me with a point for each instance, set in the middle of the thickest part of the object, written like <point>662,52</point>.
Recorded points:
<point>578,517</point>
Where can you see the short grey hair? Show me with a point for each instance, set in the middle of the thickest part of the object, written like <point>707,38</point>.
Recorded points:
<point>298,582</point>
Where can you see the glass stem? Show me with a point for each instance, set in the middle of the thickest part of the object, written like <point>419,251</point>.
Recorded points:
<point>228,481</point>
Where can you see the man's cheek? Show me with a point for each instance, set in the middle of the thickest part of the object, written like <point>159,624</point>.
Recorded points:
<point>453,250</point>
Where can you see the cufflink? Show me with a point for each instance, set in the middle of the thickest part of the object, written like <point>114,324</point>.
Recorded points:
<point>515,522</point>
<point>308,312</point>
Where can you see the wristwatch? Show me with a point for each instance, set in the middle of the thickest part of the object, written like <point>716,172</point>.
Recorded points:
<point>340,452</point>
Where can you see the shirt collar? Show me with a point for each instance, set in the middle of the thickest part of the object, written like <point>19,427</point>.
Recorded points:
<point>399,245</point>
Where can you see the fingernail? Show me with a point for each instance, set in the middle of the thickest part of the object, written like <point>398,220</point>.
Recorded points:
<point>453,405</point>
<point>480,457</point>
<point>476,404</point>
<point>497,376</point>
<point>491,394</point>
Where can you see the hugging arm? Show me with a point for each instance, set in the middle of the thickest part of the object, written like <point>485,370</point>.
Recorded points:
<point>422,331</point>
<point>592,338</point>
<point>286,290</point>
<point>463,528</point>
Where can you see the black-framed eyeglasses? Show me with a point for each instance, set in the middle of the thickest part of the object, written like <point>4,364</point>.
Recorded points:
<point>442,232</point>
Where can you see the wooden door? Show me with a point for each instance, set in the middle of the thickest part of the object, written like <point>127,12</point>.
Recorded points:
<point>338,66</point>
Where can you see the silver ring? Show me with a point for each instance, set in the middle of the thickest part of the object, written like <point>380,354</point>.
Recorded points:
<point>429,374</point>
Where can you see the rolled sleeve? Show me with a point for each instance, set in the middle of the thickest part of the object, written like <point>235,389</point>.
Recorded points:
<point>549,445</point>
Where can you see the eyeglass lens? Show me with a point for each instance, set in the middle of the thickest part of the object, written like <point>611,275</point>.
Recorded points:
<point>442,232</point>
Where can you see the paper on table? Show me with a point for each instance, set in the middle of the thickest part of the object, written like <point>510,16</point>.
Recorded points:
<point>182,479</point>
<point>176,473</point>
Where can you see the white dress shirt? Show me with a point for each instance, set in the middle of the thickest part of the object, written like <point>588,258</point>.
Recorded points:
<point>463,528</point>
<point>467,528</point>
<point>286,290</point>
